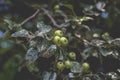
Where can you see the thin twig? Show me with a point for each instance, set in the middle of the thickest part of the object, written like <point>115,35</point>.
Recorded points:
<point>51,18</point>
<point>29,18</point>
<point>63,15</point>
<point>84,40</point>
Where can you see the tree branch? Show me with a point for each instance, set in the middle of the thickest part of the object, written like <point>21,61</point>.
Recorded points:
<point>84,40</point>
<point>63,15</point>
<point>51,18</point>
<point>29,18</point>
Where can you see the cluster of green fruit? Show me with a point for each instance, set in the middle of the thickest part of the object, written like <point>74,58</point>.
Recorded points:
<point>67,64</point>
<point>59,39</point>
<point>61,65</point>
<point>85,65</point>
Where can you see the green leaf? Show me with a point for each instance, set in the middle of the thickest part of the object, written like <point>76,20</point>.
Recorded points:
<point>32,68</point>
<point>65,24</point>
<point>86,27</point>
<point>66,78</point>
<point>107,38</point>
<point>10,68</point>
<point>86,78</point>
<point>69,6</point>
<point>12,25</point>
<point>86,18</point>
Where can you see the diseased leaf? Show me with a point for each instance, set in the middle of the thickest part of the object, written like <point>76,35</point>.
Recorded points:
<point>71,75</point>
<point>88,10</point>
<point>97,42</point>
<point>85,54</point>
<point>116,54</point>
<point>21,33</point>
<point>49,52</point>
<point>113,75</point>
<point>53,76</point>
<point>49,75</point>
<point>88,52</point>
<point>43,29</point>
<point>42,45</point>
<point>97,77</point>
<point>32,43</point>
<point>100,6</point>
<point>46,75</point>
<point>31,55</point>
<point>115,42</point>
<point>76,67</point>
<point>105,51</point>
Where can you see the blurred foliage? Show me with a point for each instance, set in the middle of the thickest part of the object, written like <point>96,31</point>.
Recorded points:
<point>27,50</point>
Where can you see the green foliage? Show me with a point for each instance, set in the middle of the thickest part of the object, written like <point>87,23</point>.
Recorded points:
<point>60,43</point>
